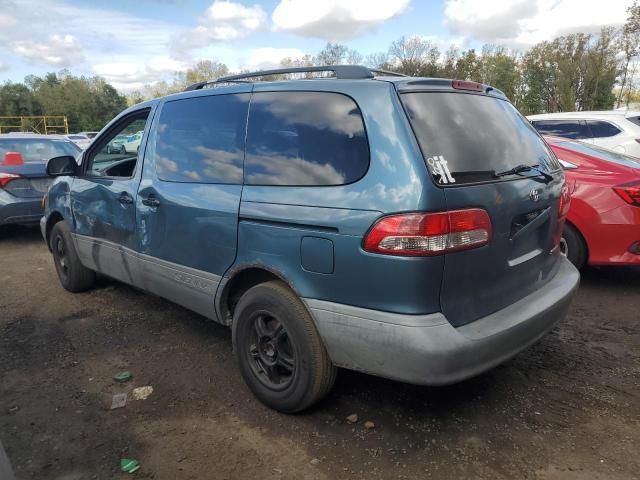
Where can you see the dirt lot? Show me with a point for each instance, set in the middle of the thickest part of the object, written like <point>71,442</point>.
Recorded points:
<point>567,408</point>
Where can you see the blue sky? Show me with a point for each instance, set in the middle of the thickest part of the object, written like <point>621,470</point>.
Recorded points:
<point>132,43</point>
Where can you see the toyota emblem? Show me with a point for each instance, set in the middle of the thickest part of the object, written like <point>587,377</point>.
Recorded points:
<point>534,195</point>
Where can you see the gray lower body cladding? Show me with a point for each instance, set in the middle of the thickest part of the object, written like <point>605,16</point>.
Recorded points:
<point>427,349</point>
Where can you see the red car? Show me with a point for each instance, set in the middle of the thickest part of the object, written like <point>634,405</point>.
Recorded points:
<point>603,224</point>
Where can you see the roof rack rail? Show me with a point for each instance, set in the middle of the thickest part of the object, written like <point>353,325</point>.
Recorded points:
<point>350,72</point>
<point>387,72</point>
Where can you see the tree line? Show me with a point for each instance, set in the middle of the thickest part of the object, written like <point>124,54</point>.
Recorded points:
<point>88,102</point>
<point>573,72</point>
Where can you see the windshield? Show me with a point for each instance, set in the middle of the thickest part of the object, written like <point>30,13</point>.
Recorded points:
<point>38,149</point>
<point>466,138</point>
<point>601,153</point>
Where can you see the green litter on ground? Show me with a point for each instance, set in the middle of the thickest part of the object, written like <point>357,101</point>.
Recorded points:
<point>122,377</point>
<point>129,465</point>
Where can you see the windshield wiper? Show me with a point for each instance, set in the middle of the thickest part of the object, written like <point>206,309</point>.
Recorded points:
<point>524,168</point>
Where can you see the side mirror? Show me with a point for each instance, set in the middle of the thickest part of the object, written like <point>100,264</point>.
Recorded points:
<point>62,166</point>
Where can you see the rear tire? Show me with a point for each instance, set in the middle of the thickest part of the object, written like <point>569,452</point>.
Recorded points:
<point>73,276</point>
<point>281,355</point>
<point>573,247</point>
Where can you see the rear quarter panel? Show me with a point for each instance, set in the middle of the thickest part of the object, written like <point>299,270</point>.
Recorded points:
<point>274,220</point>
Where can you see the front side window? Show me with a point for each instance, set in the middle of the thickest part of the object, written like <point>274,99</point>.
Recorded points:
<point>600,129</point>
<point>201,139</point>
<point>117,153</point>
<point>574,129</point>
<point>304,139</point>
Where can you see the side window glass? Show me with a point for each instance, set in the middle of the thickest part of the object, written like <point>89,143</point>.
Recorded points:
<point>117,153</point>
<point>305,138</point>
<point>602,129</point>
<point>201,139</point>
<point>563,128</point>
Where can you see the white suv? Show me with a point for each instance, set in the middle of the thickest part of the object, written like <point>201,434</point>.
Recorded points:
<point>617,130</point>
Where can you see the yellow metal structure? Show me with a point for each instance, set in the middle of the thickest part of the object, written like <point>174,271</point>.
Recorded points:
<point>44,124</point>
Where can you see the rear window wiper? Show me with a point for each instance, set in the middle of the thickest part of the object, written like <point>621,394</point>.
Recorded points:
<point>524,168</point>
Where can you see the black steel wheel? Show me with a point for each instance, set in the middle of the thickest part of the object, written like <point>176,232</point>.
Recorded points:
<point>73,276</point>
<point>280,353</point>
<point>271,355</point>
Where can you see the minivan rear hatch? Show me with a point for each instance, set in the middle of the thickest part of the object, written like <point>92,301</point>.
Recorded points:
<point>471,143</point>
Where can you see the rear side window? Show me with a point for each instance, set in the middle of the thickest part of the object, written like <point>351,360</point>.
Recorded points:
<point>305,138</point>
<point>200,139</point>
<point>574,129</point>
<point>466,138</point>
<point>635,120</point>
<point>36,149</point>
<point>601,129</point>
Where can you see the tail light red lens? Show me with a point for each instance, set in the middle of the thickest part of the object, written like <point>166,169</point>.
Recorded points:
<point>13,158</point>
<point>428,234</point>
<point>565,201</point>
<point>629,192</point>
<point>5,178</point>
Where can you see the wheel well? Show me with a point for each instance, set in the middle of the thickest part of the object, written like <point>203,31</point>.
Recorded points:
<point>238,285</point>
<point>54,218</point>
<point>581,237</point>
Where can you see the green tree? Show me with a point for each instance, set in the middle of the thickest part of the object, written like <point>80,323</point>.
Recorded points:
<point>17,99</point>
<point>415,56</point>
<point>500,69</point>
<point>629,43</point>
<point>88,102</point>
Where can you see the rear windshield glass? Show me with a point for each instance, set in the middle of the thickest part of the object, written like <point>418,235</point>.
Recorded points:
<point>37,149</point>
<point>602,153</point>
<point>635,120</point>
<point>467,138</point>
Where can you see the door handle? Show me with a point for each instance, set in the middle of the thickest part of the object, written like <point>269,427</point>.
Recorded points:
<point>125,198</point>
<point>151,201</point>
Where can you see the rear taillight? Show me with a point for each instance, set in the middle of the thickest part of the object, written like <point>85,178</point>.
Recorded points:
<point>427,234</point>
<point>5,178</point>
<point>629,192</point>
<point>13,158</point>
<point>565,201</point>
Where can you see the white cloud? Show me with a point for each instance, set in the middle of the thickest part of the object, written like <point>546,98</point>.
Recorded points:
<point>3,67</point>
<point>129,74</point>
<point>268,57</point>
<point>57,50</point>
<point>522,23</point>
<point>222,21</point>
<point>334,20</point>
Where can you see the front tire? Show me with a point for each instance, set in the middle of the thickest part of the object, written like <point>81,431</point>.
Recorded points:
<point>73,276</point>
<point>573,247</point>
<point>281,355</point>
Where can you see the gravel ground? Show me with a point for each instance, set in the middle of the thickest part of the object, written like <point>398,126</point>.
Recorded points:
<point>567,408</point>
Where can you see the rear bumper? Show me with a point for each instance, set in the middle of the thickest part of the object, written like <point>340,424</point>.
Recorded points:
<point>15,210</point>
<point>427,349</point>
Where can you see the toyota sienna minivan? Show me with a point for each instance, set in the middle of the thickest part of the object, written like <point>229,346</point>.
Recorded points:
<point>403,227</point>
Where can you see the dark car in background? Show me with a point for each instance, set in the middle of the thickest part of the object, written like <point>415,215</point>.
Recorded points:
<point>23,177</point>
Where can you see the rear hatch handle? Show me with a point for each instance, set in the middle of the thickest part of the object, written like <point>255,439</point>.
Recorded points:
<point>542,217</point>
